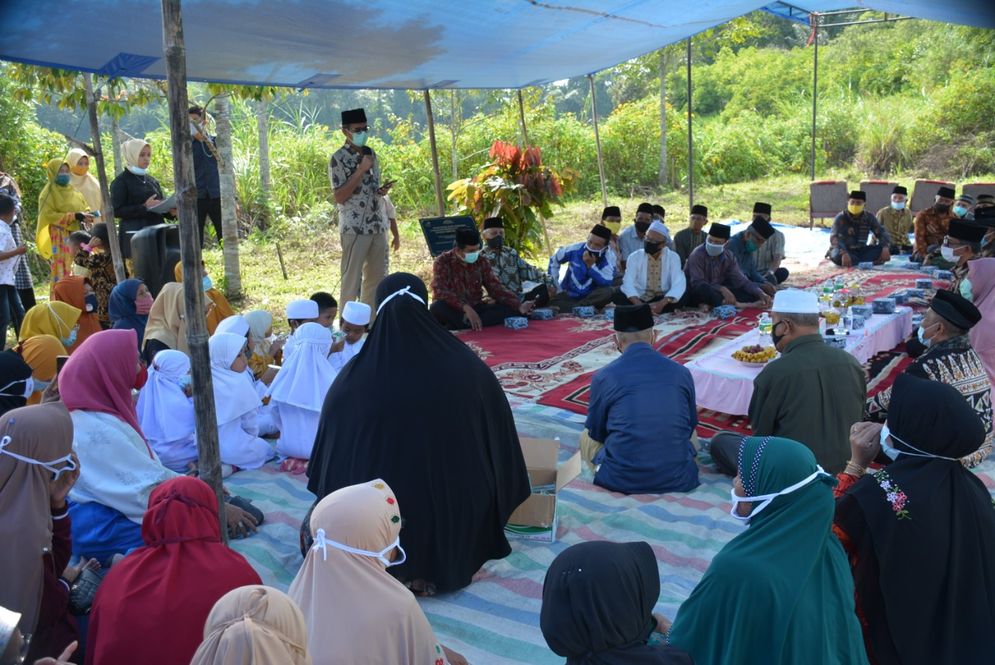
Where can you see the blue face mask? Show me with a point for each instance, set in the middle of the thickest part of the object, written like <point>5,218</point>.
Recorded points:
<point>69,341</point>
<point>137,170</point>
<point>207,283</point>
<point>898,205</point>
<point>359,139</point>
<point>90,301</point>
<point>62,179</point>
<point>471,257</point>
<point>921,334</point>
<point>751,246</point>
<point>960,211</point>
<point>966,290</point>
<point>185,381</point>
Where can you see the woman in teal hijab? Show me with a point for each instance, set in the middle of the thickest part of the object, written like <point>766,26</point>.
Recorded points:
<point>781,592</point>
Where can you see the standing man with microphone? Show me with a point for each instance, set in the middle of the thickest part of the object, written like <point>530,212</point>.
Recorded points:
<point>354,172</point>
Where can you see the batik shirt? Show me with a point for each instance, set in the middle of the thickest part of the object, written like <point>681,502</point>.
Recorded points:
<point>511,269</point>
<point>361,213</point>
<point>851,233</point>
<point>931,227</point>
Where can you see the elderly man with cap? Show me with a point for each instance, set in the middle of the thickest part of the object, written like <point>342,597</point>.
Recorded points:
<point>896,218</point>
<point>590,274</point>
<point>931,225</point>
<point>963,207</point>
<point>653,275</point>
<point>631,238</point>
<point>354,322</point>
<point>714,277</point>
<point>961,244</point>
<point>642,416</point>
<point>459,277</point>
<point>354,172</point>
<point>511,269</point>
<point>851,230</point>
<point>949,358</point>
<point>744,247</point>
<point>813,393</point>
<point>687,240</point>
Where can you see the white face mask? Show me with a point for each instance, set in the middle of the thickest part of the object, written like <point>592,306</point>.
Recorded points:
<point>322,543</point>
<point>766,499</point>
<point>714,249</point>
<point>893,452</point>
<point>948,253</point>
<point>29,388</point>
<point>56,466</point>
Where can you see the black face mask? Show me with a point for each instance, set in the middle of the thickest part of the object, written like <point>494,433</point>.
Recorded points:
<point>941,208</point>
<point>652,248</point>
<point>642,227</point>
<point>496,243</point>
<point>774,337</point>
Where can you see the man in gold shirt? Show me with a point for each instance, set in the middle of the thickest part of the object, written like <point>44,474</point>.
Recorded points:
<point>931,226</point>
<point>897,220</point>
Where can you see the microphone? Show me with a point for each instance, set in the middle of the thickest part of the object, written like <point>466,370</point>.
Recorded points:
<point>366,150</point>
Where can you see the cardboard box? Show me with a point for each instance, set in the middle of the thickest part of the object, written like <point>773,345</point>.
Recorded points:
<point>536,519</point>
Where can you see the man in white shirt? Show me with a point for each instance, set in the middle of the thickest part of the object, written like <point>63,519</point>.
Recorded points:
<point>354,322</point>
<point>653,274</point>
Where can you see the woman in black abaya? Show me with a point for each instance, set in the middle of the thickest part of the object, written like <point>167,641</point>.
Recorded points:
<point>420,410</point>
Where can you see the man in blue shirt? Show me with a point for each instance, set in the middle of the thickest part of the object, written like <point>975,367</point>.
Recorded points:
<point>642,415</point>
<point>744,245</point>
<point>590,273</point>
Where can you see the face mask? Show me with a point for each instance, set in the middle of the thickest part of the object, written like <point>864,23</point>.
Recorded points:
<point>41,386</point>
<point>855,209</point>
<point>185,381</point>
<point>69,341</point>
<point>471,257</point>
<point>596,253</point>
<point>141,378</point>
<point>966,290</point>
<point>613,227</point>
<point>750,246</point>
<point>194,129</point>
<point>652,247</point>
<point>137,170</point>
<point>774,337</point>
<point>941,208</point>
<point>62,179</point>
<point>79,170</point>
<point>642,227</point>
<point>948,253</point>
<point>56,466</point>
<point>90,301</point>
<point>898,205</point>
<point>207,283</point>
<point>29,388</point>
<point>496,243</point>
<point>143,305</point>
<point>893,452</point>
<point>359,139</point>
<point>322,543</point>
<point>714,249</point>
<point>766,499</point>
<point>960,211</point>
<point>921,334</point>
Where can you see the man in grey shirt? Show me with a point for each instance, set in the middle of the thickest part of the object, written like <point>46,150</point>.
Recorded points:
<point>354,172</point>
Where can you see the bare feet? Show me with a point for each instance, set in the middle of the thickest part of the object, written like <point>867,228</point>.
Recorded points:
<point>422,588</point>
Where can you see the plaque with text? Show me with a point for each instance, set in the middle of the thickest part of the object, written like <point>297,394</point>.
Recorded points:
<point>440,232</point>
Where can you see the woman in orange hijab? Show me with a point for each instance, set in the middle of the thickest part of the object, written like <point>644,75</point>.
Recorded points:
<point>40,353</point>
<point>78,292</point>
<point>218,308</point>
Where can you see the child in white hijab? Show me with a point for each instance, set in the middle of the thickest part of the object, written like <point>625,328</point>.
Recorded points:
<point>298,393</point>
<point>166,412</point>
<point>237,404</point>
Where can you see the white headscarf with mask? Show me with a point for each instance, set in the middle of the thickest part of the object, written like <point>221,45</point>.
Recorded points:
<point>234,395</point>
<point>307,375</point>
<point>132,150</point>
<point>163,408</point>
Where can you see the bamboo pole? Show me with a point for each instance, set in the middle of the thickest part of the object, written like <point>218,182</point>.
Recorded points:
<point>229,219</point>
<point>597,140</point>
<point>815,84</point>
<point>439,198</point>
<point>690,137</point>
<point>521,119</point>
<point>107,211</point>
<point>208,462</point>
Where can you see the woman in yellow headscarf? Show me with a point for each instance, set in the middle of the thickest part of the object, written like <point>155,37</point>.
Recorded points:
<point>60,210</point>
<point>218,308</point>
<point>80,178</point>
<point>56,318</point>
<point>41,353</point>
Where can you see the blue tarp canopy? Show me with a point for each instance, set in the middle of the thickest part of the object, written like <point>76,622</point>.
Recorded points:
<point>411,44</point>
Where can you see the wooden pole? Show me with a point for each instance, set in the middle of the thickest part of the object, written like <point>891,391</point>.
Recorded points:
<point>597,141</point>
<point>209,462</point>
<point>107,211</point>
<point>690,137</point>
<point>521,119</point>
<point>439,198</point>
<point>116,144</point>
<point>815,83</point>
<point>229,219</point>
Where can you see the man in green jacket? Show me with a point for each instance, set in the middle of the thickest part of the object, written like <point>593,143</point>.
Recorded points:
<point>813,393</point>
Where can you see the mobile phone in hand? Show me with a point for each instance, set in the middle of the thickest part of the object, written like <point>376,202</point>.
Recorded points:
<point>60,362</point>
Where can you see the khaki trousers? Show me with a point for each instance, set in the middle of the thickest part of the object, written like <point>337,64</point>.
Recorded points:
<point>363,267</point>
<point>589,448</point>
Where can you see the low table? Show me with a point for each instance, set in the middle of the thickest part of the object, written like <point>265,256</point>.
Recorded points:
<point>726,385</point>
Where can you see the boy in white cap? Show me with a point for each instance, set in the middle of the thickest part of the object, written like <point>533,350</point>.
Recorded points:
<point>354,323</point>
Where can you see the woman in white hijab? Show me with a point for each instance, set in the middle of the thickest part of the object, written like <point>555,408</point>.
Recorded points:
<point>81,179</point>
<point>254,625</point>
<point>134,193</point>
<point>237,404</point>
<point>298,393</point>
<point>355,610</point>
<point>166,413</point>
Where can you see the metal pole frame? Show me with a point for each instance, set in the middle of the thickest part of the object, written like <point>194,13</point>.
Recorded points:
<point>597,141</point>
<point>690,135</point>
<point>439,198</point>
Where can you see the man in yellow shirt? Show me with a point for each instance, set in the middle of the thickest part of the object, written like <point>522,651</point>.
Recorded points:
<point>897,220</point>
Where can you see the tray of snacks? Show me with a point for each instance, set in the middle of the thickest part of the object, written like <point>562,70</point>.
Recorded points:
<point>755,355</point>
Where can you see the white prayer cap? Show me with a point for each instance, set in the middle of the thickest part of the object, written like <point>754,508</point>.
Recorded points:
<point>795,301</point>
<point>357,313</point>
<point>658,226</point>
<point>298,310</point>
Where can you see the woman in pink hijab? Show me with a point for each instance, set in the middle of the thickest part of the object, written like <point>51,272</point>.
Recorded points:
<point>981,278</point>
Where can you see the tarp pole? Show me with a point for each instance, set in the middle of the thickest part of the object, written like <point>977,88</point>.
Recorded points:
<point>597,140</point>
<point>208,459</point>
<point>815,83</point>
<point>107,209</point>
<point>521,119</point>
<point>435,155</point>
<point>690,137</point>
